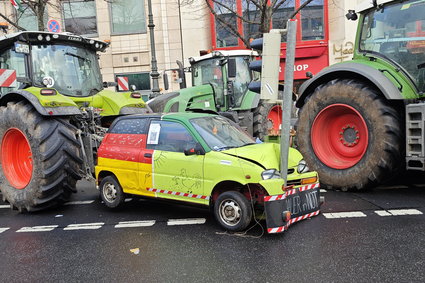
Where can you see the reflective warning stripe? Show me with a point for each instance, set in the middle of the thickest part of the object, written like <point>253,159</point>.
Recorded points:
<point>309,187</point>
<point>296,219</point>
<point>178,193</point>
<point>122,83</point>
<point>291,192</point>
<point>292,221</point>
<point>7,78</point>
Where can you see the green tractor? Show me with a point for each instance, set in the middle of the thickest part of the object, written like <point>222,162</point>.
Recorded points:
<point>362,121</point>
<point>54,111</point>
<point>221,83</point>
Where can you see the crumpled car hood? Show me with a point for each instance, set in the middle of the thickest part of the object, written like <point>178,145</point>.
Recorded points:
<point>266,154</point>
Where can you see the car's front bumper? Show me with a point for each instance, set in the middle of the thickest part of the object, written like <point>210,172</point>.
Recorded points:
<point>303,202</point>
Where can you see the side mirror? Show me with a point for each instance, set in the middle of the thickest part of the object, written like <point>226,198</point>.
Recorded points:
<point>166,84</point>
<point>351,15</point>
<point>197,150</point>
<point>231,68</point>
<point>108,84</point>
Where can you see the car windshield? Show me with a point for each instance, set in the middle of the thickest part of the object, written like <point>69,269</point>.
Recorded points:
<point>398,33</point>
<point>220,133</point>
<point>71,70</point>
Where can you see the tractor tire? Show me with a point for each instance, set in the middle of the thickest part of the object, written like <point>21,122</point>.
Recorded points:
<point>158,103</point>
<point>267,120</point>
<point>350,135</point>
<point>40,160</point>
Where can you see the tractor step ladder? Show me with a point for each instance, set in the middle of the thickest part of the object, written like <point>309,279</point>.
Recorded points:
<point>415,136</point>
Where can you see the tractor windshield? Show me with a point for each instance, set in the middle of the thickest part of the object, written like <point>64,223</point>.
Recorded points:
<point>210,72</point>
<point>398,33</point>
<point>71,70</point>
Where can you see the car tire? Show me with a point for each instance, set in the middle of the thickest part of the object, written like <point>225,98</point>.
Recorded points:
<point>111,192</point>
<point>233,211</point>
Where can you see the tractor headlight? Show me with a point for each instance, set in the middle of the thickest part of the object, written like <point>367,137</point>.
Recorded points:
<point>302,167</point>
<point>270,174</point>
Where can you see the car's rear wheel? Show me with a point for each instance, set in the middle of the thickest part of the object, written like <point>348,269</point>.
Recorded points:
<point>111,192</point>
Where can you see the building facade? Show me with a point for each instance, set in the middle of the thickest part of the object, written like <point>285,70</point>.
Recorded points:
<point>183,28</point>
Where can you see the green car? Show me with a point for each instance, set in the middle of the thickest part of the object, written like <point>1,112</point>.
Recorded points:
<point>208,160</point>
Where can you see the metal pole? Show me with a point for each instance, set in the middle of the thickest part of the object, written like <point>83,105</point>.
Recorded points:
<point>154,72</point>
<point>287,96</point>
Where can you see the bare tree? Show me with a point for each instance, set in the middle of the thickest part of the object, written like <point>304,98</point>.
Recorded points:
<point>256,17</point>
<point>37,8</point>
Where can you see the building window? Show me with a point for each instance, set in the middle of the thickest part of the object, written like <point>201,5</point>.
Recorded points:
<point>141,81</point>
<point>312,21</point>
<point>281,15</point>
<point>128,16</point>
<point>225,10</point>
<point>244,16</point>
<point>80,17</point>
<point>252,15</point>
<point>28,20</point>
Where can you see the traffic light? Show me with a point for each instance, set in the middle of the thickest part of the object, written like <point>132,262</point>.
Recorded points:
<point>269,48</point>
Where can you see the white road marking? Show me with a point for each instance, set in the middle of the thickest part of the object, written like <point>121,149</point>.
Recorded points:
<point>85,226</point>
<point>173,222</point>
<point>383,213</point>
<point>5,206</point>
<point>3,229</point>
<point>398,212</point>
<point>130,224</point>
<point>323,190</point>
<point>37,229</point>
<point>344,214</point>
<point>128,199</point>
<point>79,202</point>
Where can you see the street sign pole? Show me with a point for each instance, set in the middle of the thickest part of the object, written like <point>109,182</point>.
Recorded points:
<point>287,97</point>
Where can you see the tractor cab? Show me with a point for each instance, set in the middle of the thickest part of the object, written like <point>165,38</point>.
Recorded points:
<point>396,34</point>
<point>65,62</point>
<point>227,72</point>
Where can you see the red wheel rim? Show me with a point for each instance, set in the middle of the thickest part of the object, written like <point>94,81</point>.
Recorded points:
<point>339,136</point>
<point>16,158</point>
<point>275,117</point>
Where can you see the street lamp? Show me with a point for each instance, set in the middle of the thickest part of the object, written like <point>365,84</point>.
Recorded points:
<point>154,67</point>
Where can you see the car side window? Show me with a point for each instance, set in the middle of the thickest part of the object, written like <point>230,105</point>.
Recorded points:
<point>169,136</point>
<point>130,126</point>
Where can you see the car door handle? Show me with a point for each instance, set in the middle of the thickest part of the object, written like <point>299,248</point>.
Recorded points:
<point>148,155</point>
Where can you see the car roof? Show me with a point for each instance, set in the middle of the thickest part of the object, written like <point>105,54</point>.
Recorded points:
<point>166,116</point>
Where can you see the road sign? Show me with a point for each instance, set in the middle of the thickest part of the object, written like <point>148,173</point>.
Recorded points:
<point>53,26</point>
<point>122,83</point>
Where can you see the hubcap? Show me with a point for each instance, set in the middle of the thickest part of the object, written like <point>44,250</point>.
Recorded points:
<point>230,212</point>
<point>16,158</point>
<point>339,136</point>
<point>109,192</point>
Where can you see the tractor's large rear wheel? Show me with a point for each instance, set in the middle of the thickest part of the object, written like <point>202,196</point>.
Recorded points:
<point>350,135</point>
<point>39,158</point>
<point>267,120</point>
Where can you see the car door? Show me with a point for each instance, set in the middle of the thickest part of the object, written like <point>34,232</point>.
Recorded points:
<point>175,175</point>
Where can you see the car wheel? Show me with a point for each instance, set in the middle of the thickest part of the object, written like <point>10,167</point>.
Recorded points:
<point>111,192</point>
<point>233,211</point>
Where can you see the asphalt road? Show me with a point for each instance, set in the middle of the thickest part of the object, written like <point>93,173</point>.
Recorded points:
<point>377,236</point>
